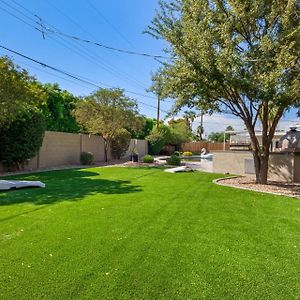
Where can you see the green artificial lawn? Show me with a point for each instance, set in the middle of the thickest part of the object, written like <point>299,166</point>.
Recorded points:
<point>141,233</point>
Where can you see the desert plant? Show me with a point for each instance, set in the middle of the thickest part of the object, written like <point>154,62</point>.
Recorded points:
<point>187,153</point>
<point>174,160</point>
<point>120,143</point>
<point>21,139</point>
<point>148,159</point>
<point>86,158</point>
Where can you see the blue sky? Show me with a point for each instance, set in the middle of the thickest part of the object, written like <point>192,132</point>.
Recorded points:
<point>116,23</point>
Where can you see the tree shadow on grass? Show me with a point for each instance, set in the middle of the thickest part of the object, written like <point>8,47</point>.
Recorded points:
<point>68,185</point>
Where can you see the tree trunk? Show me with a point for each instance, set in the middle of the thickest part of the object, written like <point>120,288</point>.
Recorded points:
<point>106,148</point>
<point>261,164</point>
<point>261,154</point>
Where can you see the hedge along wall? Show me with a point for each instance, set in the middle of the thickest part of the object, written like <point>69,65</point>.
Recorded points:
<point>60,148</point>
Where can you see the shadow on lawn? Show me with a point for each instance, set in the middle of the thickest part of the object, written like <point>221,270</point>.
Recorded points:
<point>70,185</point>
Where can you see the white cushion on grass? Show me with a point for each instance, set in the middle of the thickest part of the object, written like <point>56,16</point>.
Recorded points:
<point>17,184</point>
<point>179,169</point>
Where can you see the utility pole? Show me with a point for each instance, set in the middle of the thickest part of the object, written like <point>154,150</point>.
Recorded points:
<point>201,124</point>
<point>158,112</point>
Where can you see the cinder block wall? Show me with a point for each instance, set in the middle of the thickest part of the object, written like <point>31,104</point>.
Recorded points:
<point>60,148</point>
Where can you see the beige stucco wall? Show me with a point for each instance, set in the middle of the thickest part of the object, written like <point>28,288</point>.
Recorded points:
<point>297,167</point>
<point>140,145</point>
<point>60,148</point>
<point>283,167</point>
<point>232,162</point>
<point>94,144</point>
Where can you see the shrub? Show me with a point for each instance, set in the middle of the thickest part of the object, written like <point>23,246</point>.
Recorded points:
<point>86,158</point>
<point>21,139</point>
<point>156,142</point>
<point>187,153</point>
<point>174,160</point>
<point>148,159</point>
<point>120,143</point>
<point>177,153</point>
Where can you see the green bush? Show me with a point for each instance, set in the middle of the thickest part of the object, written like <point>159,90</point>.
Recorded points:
<point>86,158</point>
<point>21,139</point>
<point>156,142</point>
<point>120,143</point>
<point>177,153</point>
<point>174,160</point>
<point>187,153</point>
<point>148,159</point>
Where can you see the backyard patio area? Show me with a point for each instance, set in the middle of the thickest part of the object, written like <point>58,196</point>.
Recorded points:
<point>141,233</point>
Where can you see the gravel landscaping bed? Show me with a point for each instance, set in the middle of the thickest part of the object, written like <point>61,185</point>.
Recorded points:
<point>248,183</point>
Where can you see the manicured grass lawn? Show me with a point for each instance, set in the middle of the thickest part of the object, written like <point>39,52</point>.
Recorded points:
<point>128,233</point>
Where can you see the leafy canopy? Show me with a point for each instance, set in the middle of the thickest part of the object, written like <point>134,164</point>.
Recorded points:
<point>22,138</point>
<point>237,56</point>
<point>58,109</point>
<point>106,111</point>
<point>18,91</point>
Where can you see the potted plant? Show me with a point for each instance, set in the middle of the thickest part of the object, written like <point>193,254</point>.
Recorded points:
<point>134,155</point>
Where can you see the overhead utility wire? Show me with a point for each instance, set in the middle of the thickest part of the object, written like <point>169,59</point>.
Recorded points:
<point>42,29</point>
<point>66,73</point>
<point>106,46</point>
<point>74,22</point>
<point>93,42</point>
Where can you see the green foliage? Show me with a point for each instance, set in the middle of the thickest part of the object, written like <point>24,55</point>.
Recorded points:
<point>177,153</point>
<point>175,134</point>
<point>235,56</point>
<point>179,132</point>
<point>187,153</point>
<point>219,136</point>
<point>21,139</point>
<point>58,110</point>
<point>148,159</point>
<point>120,143</point>
<point>106,111</point>
<point>145,130</point>
<point>156,141</point>
<point>216,137</point>
<point>174,160</point>
<point>86,158</point>
<point>18,91</point>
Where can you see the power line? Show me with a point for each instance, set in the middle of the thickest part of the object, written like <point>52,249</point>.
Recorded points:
<point>52,74</point>
<point>66,73</point>
<point>86,40</point>
<point>16,17</point>
<point>78,53</point>
<point>130,52</point>
<point>109,23</point>
<point>74,22</point>
<point>87,56</point>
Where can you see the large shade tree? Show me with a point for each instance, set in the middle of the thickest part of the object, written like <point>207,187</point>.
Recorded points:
<point>19,92</point>
<point>237,56</point>
<point>106,112</point>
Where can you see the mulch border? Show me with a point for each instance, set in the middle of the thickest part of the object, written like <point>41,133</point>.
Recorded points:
<point>218,180</point>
